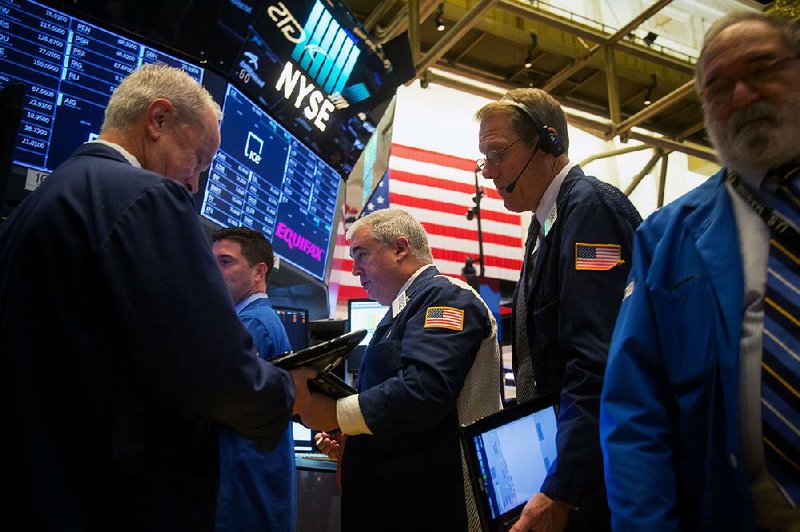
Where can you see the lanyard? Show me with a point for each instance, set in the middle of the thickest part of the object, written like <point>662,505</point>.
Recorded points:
<point>776,222</point>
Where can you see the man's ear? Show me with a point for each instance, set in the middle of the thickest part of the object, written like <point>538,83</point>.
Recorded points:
<point>156,117</point>
<point>401,247</point>
<point>262,272</point>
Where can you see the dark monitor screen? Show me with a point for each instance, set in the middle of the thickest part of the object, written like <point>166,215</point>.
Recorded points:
<point>69,68</point>
<point>365,314</point>
<point>309,63</point>
<point>295,322</point>
<point>264,178</point>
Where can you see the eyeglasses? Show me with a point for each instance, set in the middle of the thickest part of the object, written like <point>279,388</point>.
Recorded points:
<point>755,76</point>
<point>494,156</point>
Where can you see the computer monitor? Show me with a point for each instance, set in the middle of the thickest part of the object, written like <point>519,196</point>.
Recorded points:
<point>365,314</point>
<point>295,322</point>
<point>69,68</point>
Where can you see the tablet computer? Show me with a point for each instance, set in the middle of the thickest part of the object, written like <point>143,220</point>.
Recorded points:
<point>508,456</point>
<point>324,356</point>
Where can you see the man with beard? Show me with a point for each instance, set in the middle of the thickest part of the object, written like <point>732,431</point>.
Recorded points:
<point>699,414</point>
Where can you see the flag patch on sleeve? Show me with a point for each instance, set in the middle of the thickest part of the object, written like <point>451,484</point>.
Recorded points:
<point>444,318</point>
<point>597,256</point>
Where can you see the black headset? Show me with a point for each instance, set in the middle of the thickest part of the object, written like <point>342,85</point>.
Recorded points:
<point>548,140</point>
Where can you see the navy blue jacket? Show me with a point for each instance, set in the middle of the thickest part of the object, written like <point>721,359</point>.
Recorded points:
<point>571,315</point>
<point>119,344</point>
<point>407,475</point>
<point>257,489</point>
<point>670,417</point>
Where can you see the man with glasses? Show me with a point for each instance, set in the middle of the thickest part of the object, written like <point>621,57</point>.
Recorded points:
<point>577,259</point>
<point>699,417</point>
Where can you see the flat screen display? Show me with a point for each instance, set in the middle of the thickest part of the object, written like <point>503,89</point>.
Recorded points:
<point>365,314</point>
<point>264,178</point>
<point>69,68</point>
<point>311,65</point>
<point>295,323</point>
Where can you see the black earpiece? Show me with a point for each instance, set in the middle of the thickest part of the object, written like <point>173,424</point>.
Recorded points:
<point>548,140</point>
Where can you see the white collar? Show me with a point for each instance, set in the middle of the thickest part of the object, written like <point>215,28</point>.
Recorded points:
<point>401,299</point>
<point>122,151</point>
<point>548,202</point>
<point>249,299</point>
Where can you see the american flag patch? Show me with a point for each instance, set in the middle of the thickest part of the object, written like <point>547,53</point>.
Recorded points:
<point>444,318</point>
<point>597,256</point>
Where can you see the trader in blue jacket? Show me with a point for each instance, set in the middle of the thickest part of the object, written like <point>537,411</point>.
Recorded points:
<point>433,363</point>
<point>576,261</point>
<point>699,416</point>
<point>119,340</point>
<point>257,488</point>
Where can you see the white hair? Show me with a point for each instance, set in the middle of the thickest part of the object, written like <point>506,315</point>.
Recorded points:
<point>133,96</point>
<point>387,225</point>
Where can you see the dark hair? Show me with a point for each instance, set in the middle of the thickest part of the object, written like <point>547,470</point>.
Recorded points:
<point>255,247</point>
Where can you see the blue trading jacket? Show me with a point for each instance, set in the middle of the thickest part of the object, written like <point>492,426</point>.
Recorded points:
<point>670,407</point>
<point>407,475</point>
<point>257,489</point>
<point>570,319</point>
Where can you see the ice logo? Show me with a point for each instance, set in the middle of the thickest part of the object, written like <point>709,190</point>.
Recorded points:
<point>253,147</point>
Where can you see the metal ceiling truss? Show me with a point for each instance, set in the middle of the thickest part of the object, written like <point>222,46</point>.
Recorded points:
<point>598,58</point>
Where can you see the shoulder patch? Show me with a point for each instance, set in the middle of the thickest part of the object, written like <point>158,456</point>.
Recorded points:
<point>444,318</point>
<point>597,256</point>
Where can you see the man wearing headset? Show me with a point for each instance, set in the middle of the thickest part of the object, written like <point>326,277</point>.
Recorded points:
<point>577,258</point>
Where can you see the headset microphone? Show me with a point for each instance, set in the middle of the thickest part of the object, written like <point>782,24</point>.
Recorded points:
<point>511,186</point>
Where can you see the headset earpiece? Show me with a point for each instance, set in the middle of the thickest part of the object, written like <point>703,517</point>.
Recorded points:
<point>548,140</point>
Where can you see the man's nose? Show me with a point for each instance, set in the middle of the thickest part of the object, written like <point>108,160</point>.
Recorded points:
<point>743,94</point>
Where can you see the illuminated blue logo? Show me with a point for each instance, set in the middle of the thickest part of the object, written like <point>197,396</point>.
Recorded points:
<point>329,53</point>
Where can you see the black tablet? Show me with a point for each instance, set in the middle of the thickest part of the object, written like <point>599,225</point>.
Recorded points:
<point>508,455</point>
<point>323,356</point>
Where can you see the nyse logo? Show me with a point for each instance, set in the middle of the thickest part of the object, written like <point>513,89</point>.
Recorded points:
<point>288,25</point>
<point>253,147</point>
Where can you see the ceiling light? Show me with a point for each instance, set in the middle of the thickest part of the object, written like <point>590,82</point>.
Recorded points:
<point>438,21</point>
<point>648,96</point>
<point>529,57</point>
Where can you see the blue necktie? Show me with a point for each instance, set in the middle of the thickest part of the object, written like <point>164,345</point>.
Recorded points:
<point>780,376</point>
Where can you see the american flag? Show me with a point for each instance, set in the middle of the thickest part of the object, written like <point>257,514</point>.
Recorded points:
<point>597,256</point>
<point>444,318</point>
<point>437,189</point>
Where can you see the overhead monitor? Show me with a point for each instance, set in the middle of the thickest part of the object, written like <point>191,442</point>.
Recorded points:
<point>295,323</point>
<point>69,67</point>
<point>310,64</point>
<point>263,178</point>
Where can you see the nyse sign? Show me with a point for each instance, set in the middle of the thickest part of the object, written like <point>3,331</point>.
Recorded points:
<point>296,85</point>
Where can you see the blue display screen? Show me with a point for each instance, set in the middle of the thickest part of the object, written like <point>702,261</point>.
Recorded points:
<point>69,68</point>
<point>264,178</point>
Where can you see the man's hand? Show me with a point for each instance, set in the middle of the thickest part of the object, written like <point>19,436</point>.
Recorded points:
<point>302,395</point>
<point>330,444</point>
<point>320,413</point>
<point>543,514</point>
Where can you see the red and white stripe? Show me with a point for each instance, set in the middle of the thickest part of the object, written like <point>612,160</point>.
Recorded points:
<point>437,189</point>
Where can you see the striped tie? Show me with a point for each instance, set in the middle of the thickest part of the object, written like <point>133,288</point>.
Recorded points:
<point>780,377</point>
<point>523,375</point>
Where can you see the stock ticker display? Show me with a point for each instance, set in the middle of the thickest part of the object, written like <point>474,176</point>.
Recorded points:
<point>264,178</point>
<point>69,68</point>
